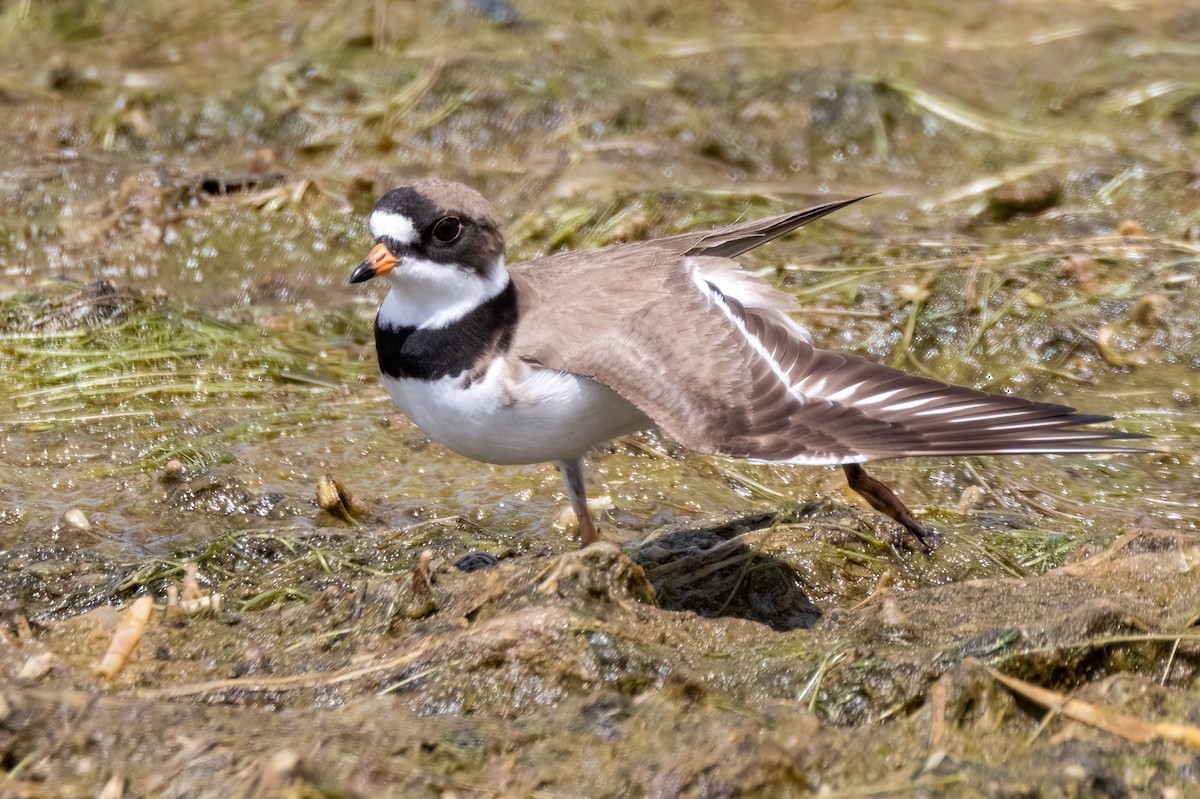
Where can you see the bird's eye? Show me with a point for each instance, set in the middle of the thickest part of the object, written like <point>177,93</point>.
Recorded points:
<point>447,229</point>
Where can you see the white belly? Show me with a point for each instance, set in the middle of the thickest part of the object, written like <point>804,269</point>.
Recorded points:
<point>516,413</point>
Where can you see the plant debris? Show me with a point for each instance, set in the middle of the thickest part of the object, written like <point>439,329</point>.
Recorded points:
<point>182,198</point>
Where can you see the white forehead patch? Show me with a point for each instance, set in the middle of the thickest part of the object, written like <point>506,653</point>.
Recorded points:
<point>395,226</point>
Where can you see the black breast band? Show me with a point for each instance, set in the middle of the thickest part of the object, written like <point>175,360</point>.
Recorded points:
<point>434,353</point>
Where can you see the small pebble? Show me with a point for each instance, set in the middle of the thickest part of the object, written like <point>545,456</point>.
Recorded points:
<point>37,667</point>
<point>912,292</point>
<point>174,467</point>
<point>335,499</point>
<point>1129,227</point>
<point>114,788</point>
<point>970,499</point>
<point>1028,195</point>
<point>280,774</point>
<point>1152,309</point>
<point>1081,268</point>
<point>261,160</point>
<point>474,561</point>
<point>496,10</point>
<point>76,519</point>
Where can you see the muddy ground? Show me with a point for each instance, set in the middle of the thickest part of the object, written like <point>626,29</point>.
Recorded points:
<point>182,196</point>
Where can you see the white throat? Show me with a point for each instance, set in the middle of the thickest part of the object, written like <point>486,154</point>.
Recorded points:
<point>426,294</point>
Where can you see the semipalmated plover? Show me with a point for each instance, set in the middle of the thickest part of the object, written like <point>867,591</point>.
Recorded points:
<point>544,360</point>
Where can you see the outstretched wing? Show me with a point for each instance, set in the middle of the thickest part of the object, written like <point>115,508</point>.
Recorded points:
<point>807,405</point>
<point>707,352</point>
<point>732,241</point>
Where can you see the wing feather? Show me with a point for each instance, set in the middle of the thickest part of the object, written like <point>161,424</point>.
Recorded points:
<point>720,367</point>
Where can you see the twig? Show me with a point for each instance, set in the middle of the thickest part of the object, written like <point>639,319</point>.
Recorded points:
<point>1127,727</point>
<point>292,683</point>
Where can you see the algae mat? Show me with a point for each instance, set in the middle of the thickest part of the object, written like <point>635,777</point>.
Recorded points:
<point>189,410</point>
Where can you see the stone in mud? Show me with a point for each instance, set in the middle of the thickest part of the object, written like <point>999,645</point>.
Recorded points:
<point>335,500</point>
<point>1029,195</point>
<point>474,561</point>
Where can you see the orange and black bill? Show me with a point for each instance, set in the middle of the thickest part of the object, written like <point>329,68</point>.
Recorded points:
<point>379,262</point>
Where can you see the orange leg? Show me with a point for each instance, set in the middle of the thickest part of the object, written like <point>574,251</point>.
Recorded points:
<point>881,498</point>
<point>572,474</point>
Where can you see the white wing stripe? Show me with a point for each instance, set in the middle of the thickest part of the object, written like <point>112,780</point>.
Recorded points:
<point>886,395</point>
<point>845,393</point>
<point>953,408</point>
<point>987,417</point>
<point>910,404</point>
<point>717,299</point>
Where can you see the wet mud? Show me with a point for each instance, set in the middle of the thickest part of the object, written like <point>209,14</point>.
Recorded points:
<point>189,407</point>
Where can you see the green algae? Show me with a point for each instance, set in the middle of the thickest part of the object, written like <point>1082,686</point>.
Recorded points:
<point>84,358</point>
<point>181,201</point>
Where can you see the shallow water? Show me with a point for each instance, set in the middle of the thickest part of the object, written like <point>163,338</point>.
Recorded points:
<point>1036,231</point>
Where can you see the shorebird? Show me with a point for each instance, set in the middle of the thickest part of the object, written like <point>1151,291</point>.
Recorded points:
<point>542,361</point>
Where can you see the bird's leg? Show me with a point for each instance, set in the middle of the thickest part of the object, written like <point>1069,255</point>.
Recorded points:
<point>881,498</point>
<point>572,474</point>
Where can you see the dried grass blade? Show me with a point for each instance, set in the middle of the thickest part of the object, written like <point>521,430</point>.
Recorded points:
<point>1119,724</point>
